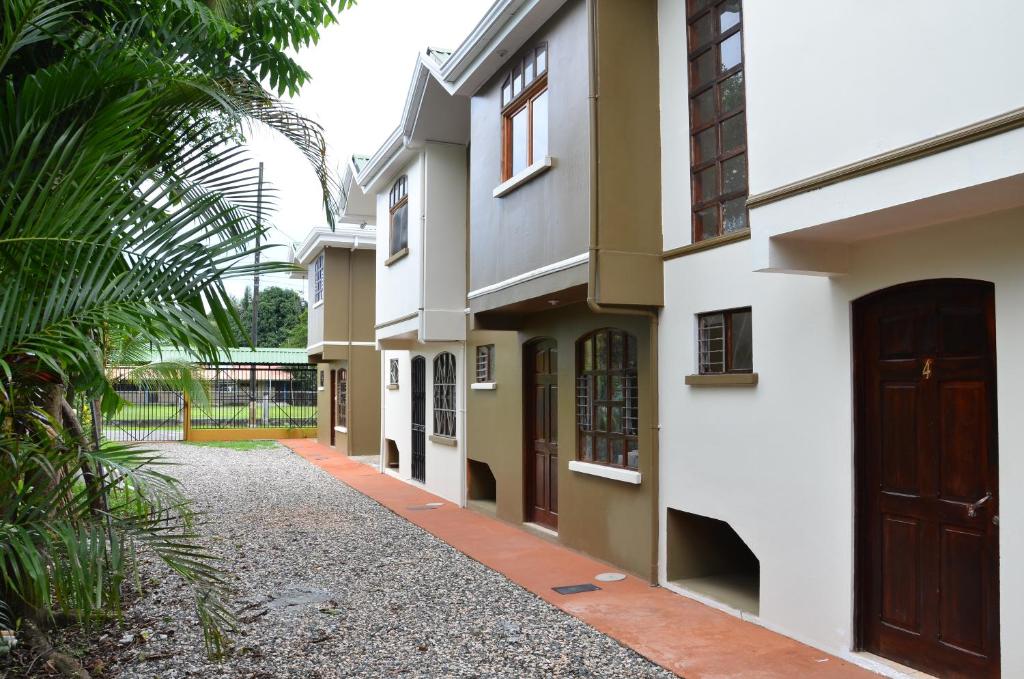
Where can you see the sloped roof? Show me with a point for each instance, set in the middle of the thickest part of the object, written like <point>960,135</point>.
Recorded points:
<point>266,355</point>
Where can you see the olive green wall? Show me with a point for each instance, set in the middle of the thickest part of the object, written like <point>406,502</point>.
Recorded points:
<point>610,520</point>
<point>364,386</point>
<point>345,269</point>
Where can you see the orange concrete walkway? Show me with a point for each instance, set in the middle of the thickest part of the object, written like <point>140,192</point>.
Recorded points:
<point>682,635</point>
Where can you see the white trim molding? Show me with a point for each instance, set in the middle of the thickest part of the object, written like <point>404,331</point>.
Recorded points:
<point>341,430</point>
<point>525,175</point>
<point>555,267</point>
<point>483,386</point>
<point>332,343</point>
<point>605,472</point>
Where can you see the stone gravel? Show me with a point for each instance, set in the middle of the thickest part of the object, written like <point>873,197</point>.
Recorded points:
<point>331,584</point>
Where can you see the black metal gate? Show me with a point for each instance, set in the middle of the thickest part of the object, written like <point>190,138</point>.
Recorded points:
<point>257,396</point>
<point>147,414</point>
<point>419,419</point>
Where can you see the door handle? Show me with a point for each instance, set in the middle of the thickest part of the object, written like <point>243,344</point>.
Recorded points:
<point>972,509</point>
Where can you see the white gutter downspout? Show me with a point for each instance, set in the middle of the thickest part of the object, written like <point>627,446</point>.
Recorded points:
<point>423,238</point>
<point>463,448</point>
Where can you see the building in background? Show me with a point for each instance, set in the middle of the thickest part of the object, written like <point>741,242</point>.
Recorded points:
<point>339,267</point>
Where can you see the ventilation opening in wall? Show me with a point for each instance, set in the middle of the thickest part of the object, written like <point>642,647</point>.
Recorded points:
<point>708,558</point>
<point>482,489</point>
<point>392,458</point>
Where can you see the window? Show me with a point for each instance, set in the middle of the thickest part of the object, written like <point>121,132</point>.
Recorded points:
<point>718,127</point>
<point>341,399</point>
<point>607,407</point>
<point>398,202</point>
<point>393,371</point>
<point>524,113</point>
<point>485,363</point>
<point>724,342</point>
<point>318,278</point>
<point>322,379</point>
<point>444,395</point>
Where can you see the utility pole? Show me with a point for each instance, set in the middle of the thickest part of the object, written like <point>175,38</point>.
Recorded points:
<point>256,298</point>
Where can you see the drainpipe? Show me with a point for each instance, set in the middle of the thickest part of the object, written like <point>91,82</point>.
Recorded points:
<point>349,401</point>
<point>598,308</point>
<point>463,393</point>
<point>423,237</point>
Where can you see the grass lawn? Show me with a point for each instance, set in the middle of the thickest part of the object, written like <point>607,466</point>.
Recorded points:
<point>255,444</point>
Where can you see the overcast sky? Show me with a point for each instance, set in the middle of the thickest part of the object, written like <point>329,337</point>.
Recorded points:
<point>360,71</point>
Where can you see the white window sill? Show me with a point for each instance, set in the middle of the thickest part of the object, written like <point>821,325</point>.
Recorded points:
<point>443,440</point>
<point>341,430</point>
<point>722,380</point>
<point>401,254</point>
<point>318,304</point>
<point>484,386</point>
<point>605,472</point>
<point>514,182</point>
<point>392,387</point>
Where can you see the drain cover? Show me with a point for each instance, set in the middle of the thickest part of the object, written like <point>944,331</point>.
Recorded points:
<point>609,577</point>
<point>576,589</point>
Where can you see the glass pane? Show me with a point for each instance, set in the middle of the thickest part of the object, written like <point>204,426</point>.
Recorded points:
<point>601,350</point>
<point>602,450</point>
<point>700,31</point>
<point>731,93</point>
<point>742,345</point>
<point>705,184</point>
<point>506,91</point>
<point>731,51</point>
<point>707,223</point>
<point>617,351</point>
<point>588,447</point>
<point>728,15</point>
<point>703,107</point>
<point>602,388</point>
<point>633,457</point>
<point>702,69</point>
<point>529,71</point>
<point>704,146</point>
<point>697,5</point>
<point>588,354</point>
<point>631,355</point>
<point>520,138</point>
<point>602,419</point>
<point>542,60</point>
<point>616,394</point>
<point>734,133</point>
<point>734,174</point>
<point>540,127</point>
<point>711,343</point>
<point>616,422</point>
<point>517,82</point>
<point>734,213</point>
<point>618,452</point>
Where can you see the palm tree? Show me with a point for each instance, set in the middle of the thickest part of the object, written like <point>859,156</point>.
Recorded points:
<point>126,200</point>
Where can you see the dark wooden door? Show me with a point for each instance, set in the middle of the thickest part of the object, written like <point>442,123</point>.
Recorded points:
<point>334,392</point>
<point>541,415</point>
<point>419,419</point>
<point>928,514</point>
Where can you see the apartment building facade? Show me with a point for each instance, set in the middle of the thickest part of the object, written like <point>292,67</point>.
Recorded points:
<point>838,442</point>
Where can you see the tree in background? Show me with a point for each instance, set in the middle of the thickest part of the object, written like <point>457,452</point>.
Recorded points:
<point>126,200</point>
<point>298,335</point>
<point>282,315</point>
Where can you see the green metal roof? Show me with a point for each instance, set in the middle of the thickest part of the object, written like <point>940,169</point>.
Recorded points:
<point>269,355</point>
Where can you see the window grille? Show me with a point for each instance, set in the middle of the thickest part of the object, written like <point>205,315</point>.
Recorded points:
<point>341,400</point>
<point>318,278</point>
<point>398,204</point>
<point>444,395</point>
<point>485,363</point>
<point>393,371</point>
<point>607,399</point>
<point>724,342</point>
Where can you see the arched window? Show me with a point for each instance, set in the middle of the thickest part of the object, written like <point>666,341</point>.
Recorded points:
<point>444,395</point>
<point>607,406</point>
<point>398,202</point>
<point>341,398</point>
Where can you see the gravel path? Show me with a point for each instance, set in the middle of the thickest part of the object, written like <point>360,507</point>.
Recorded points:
<point>334,585</point>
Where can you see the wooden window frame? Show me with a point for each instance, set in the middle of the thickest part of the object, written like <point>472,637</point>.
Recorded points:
<point>525,99</point>
<point>727,324</point>
<point>719,200</point>
<point>586,405</point>
<point>485,363</point>
<point>398,198</point>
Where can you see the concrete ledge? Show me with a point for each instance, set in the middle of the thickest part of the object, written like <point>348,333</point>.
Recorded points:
<point>605,471</point>
<point>514,182</point>
<point>722,380</point>
<point>392,387</point>
<point>397,256</point>
<point>484,386</point>
<point>212,435</point>
<point>443,440</point>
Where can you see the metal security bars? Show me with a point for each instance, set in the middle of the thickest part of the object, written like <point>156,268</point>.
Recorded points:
<point>148,413</point>
<point>444,395</point>
<point>485,363</point>
<point>393,372</point>
<point>258,396</point>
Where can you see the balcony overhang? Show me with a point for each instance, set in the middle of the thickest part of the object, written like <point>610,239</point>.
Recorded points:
<point>421,327</point>
<point>810,226</point>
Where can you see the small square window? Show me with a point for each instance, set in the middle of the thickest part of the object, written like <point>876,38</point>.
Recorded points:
<point>485,363</point>
<point>724,342</point>
<point>393,371</point>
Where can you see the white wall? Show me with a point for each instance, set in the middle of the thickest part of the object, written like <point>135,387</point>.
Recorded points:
<point>398,285</point>
<point>832,83</point>
<point>776,460</point>
<point>444,469</point>
<point>444,252</point>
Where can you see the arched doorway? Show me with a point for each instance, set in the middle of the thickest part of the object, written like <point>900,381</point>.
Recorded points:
<point>540,415</point>
<point>926,469</point>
